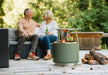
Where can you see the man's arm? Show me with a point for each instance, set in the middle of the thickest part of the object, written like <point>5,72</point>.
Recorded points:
<point>37,25</point>
<point>20,28</point>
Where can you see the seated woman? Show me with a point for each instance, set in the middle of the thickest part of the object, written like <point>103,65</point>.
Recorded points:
<point>49,33</point>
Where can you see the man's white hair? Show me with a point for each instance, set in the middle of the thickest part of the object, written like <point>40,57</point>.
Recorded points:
<point>48,14</point>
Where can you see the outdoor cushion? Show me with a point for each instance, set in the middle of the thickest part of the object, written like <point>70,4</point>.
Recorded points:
<point>12,34</point>
<point>15,42</point>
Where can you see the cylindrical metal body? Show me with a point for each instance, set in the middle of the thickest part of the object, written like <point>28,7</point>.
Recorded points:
<point>67,52</point>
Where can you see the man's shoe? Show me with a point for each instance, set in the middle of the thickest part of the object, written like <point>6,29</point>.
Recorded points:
<point>47,57</point>
<point>32,56</point>
<point>17,56</point>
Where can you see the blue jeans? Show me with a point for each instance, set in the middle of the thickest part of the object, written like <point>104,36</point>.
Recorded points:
<point>44,41</point>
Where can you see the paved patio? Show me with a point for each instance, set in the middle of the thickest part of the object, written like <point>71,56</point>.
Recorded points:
<point>48,67</point>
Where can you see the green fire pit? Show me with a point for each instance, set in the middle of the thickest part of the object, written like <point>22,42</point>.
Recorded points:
<point>67,52</point>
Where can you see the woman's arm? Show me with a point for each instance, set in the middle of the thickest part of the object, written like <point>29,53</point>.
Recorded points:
<point>54,28</point>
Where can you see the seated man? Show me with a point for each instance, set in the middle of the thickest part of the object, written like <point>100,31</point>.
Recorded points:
<point>26,28</point>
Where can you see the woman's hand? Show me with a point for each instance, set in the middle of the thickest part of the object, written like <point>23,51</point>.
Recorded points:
<point>49,33</point>
<point>41,35</point>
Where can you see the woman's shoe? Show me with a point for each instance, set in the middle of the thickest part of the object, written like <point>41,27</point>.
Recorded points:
<point>47,57</point>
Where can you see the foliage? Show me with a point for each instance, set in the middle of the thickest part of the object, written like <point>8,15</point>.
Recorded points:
<point>13,14</point>
<point>13,10</point>
<point>55,6</point>
<point>1,14</point>
<point>90,15</point>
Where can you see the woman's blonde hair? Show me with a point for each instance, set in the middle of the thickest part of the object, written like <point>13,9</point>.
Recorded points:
<point>48,14</point>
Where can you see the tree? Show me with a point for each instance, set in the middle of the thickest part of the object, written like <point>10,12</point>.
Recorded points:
<point>1,14</point>
<point>91,15</point>
<point>13,10</point>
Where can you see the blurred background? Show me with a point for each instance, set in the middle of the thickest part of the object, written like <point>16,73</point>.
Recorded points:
<point>90,15</point>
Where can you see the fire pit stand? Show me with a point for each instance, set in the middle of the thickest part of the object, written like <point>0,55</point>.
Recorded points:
<point>65,52</point>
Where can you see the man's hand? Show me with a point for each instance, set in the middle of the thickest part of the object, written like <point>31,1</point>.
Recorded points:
<point>25,34</point>
<point>38,25</point>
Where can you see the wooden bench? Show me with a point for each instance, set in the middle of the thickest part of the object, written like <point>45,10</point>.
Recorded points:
<point>88,40</point>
